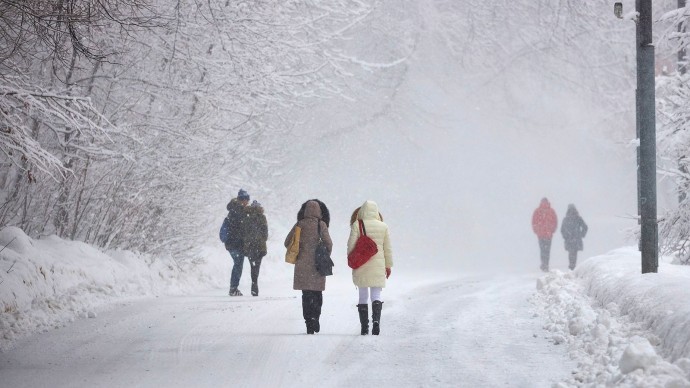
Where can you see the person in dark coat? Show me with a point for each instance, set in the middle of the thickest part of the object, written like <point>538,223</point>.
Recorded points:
<point>254,235</point>
<point>306,277</point>
<point>544,222</point>
<point>235,244</point>
<point>573,230</point>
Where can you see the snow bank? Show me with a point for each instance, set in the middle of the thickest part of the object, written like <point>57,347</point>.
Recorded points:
<point>50,282</point>
<point>659,301</point>
<point>623,328</point>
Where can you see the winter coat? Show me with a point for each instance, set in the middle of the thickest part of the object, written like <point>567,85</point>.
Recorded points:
<point>544,220</point>
<point>373,272</point>
<point>236,214</point>
<point>306,277</point>
<point>255,232</point>
<point>573,230</point>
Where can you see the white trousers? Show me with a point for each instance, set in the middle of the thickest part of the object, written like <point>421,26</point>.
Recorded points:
<point>364,294</point>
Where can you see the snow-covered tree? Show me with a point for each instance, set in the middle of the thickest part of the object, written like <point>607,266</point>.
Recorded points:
<point>673,131</point>
<point>123,118</point>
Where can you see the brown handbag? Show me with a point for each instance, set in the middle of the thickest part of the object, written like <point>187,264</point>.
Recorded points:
<point>293,248</point>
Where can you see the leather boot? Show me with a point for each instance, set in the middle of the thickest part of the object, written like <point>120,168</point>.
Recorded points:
<point>306,312</point>
<point>363,310</point>
<point>317,302</point>
<point>376,316</point>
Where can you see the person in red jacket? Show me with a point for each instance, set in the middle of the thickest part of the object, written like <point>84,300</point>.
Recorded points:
<point>544,222</point>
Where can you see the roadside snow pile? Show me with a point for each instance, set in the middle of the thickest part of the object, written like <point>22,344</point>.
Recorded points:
<point>632,329</point>
<point>659,301</point>
<point>50,282</point>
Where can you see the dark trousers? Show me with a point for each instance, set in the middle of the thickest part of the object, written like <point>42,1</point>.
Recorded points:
<point>256,266</point>
<point>311,305</point>
<point>572,258</point>
<point>545,252</point>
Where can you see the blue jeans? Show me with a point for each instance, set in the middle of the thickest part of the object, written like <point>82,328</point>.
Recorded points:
<point>238,263</point>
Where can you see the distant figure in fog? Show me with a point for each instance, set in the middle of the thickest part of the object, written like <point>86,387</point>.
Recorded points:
<point>544,222</point>
<point>573,230</point>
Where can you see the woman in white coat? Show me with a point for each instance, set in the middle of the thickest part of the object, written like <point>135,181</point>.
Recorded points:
<point>371,277</point>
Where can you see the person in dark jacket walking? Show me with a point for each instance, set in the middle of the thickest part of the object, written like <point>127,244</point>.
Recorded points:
<point>544,222</point>
<point>306,277</point>
<point>235,244</point>
<point>254,235</point>
<point>573,230</point>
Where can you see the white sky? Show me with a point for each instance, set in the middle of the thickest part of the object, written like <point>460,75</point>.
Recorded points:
<point>458,160</point>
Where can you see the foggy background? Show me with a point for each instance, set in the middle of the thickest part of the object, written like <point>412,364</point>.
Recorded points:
<point>464,133</point>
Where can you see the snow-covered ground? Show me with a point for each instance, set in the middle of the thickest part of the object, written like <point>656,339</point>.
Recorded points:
<point>75,316</point>
<point>47,283</point>
<point>623,328</point>
<point>463,332</point>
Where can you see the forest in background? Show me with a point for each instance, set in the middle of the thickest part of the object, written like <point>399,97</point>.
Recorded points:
<point>121,120</point>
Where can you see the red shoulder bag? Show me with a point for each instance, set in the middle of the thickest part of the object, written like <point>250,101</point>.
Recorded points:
<point>365,248</point>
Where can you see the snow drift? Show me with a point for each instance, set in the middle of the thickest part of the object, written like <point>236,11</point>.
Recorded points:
<point>624,328</point>
<point>50,282</point>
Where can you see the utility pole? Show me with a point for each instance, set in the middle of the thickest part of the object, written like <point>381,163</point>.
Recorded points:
<point>682,68</point>
<point>646,131</point>
<point>682,65</point>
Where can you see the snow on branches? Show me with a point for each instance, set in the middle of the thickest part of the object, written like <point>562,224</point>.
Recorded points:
<point>120,121</point>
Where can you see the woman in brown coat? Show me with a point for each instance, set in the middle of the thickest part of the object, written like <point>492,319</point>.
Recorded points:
<point>306,278</point>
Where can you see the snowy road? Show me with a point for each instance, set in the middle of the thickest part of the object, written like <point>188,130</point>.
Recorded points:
<point>474,331</point>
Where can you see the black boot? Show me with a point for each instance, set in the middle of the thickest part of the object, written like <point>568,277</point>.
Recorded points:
<point>256,265</point>
<point>363,310</point>
<point>317,302</point>
<point>307,311</point>
<point>376,316</point>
